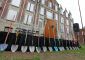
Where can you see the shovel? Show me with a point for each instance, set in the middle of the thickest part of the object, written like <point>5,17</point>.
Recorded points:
<point>60,45</point>
<point>15,47</point>
<point>67,48</point>
<point>38,49</point>
<point>56,48</point>
<point>44,47</point>
<point>70,45</point>
<point>50,48</point>
<point>4,46</point>
<point>32,48</point>
<point>24,48</point>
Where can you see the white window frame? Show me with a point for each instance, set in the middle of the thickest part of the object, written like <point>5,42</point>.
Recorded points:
<point>56,7</point>
<point>56,16</point>
<point>50,4</point>
<point>27,19</point>
<point>42,10</point>
<point>43,1</point>
<point>49,14</point>
<point>16,3</point>
<point>9,15</point>
<point>67,22</point>
<point>62,28</point>
<point>30,6</point>
<point>62,20</point>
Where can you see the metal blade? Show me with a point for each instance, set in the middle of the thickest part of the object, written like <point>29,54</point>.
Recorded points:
<point>50,49</point>
<point>56,49</point>
<point>38,49</point>
<point>44,48</point>
<point>14,48</point>
<point>24,48</point>
<point>32,48</point>
<point>3,47</point>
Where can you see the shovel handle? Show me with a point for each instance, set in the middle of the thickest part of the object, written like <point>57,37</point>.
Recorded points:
<point>8,33</point>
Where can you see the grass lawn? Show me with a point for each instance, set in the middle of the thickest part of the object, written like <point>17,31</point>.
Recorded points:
<point>64,55</point>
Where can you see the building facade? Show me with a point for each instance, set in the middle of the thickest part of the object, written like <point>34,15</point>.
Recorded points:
<point>34,14</point>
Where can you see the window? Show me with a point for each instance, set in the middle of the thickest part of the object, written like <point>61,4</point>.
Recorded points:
<point>61,10</point>
<point>28,19</point>
<point>11,15</point>
<point>66,14</point>
<point>42,10</point>
<point>15,3</point>
<point>62,20</point>
<point>30,7</point>
<point>67,29</point>
<point>40,23</point>
<point>56,16</point>
<point>71,24</point>
<point>50,4</point>
<point>62,28</point>
<point>56,7</point>
<point>49,15</point>
<point>67,22</point>
<point>25,18</point>
<point>43,1</point>
<point>33,0</point>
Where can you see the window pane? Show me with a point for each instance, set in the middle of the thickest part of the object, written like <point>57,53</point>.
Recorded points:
<point>32,7</point>
<point>62,20</point>
<point>67,30</point>
<point>62,28</point>
<point>43,1</point>
<point>56,7</point>
<point>11,15</point>
<point>16,3</point>
<point>56,16</point>
<point>42,11</point>
<point>67,21</point>
<point>29,19</point>
<point>66,14</point>
<point>49,15</point>
<point>25,19</point>
<point>50,4</point>
<point>28,6</point>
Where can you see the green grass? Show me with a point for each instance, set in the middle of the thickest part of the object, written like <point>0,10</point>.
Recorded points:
<point>63,55</point>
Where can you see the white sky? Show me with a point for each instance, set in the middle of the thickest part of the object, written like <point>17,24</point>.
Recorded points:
<point>72,5</point>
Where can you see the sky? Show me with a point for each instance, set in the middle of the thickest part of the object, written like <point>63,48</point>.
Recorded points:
<point>72,5</point>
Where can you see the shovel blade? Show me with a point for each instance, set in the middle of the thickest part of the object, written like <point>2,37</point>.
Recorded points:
<point>50,49</point>
<point>56,49</point>
<point>63,49</point>
<point>44,49</point>
<point>24,48</point>
<point>38,49</point>
<point>3,47</point>
<point>67,48</point>
<point>14,48</point>
<point>60,48</point>
<point>32,48</point>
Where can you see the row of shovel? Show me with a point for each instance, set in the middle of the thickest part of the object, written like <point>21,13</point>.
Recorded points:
<point>38,48</point>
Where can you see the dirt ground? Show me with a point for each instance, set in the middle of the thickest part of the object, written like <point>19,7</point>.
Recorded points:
<point>40,56</point>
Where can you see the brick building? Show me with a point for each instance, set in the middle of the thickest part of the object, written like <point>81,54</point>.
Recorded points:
<point>33,14</point>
